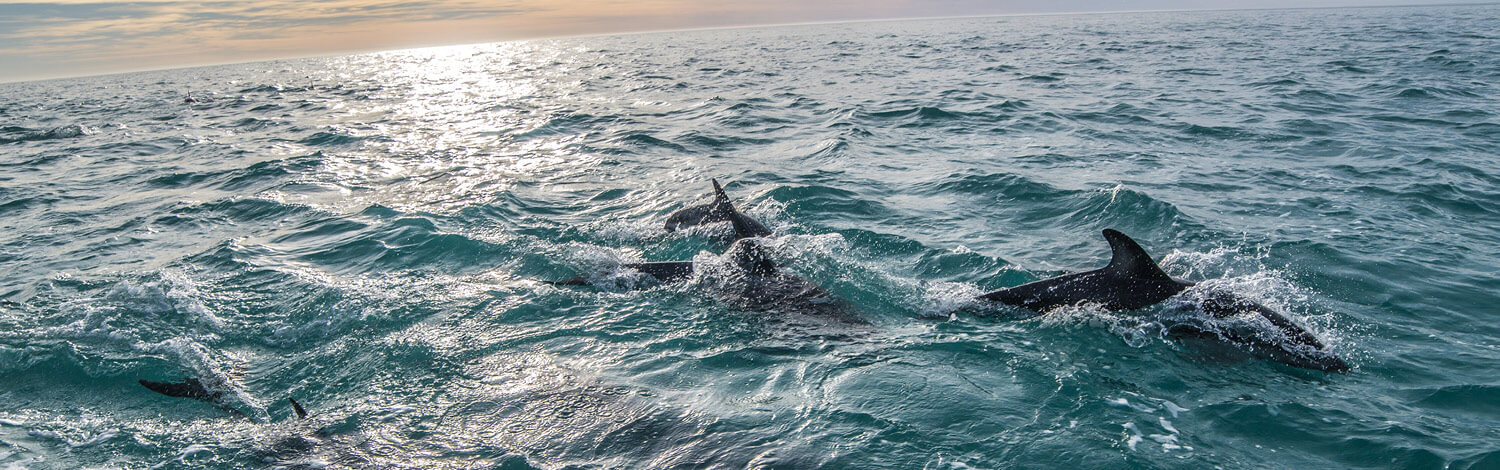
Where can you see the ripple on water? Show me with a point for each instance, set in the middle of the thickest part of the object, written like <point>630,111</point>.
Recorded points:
<point>364,233</point>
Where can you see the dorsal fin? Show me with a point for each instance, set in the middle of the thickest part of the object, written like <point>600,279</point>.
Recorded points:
<point>297,407</point>
<point>719,196</point>
<point>1128,258</point>
<point>744,226</point>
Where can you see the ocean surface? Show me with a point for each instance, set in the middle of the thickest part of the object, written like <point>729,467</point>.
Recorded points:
<point>366,234</point>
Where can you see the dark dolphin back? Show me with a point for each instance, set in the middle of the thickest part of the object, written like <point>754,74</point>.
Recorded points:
<point>716,211</point>
<point>1131,280</point>
<point>195,389</point>
<point>188,388</point>
<point>665,270</point>
<point>721,210</point>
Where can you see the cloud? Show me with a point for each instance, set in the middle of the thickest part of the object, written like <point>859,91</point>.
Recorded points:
<point>74,37</point>
<point>97,36</point>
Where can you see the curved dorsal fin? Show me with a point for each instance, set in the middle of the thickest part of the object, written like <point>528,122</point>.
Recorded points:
<point>744,227</point>
<point>1129,259</point>
<point>719,196</point>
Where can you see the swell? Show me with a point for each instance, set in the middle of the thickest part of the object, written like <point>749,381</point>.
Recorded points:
<point>364,232</point>
<point>17,134</point>
<point>1017,201</point>
<point>251,179</point>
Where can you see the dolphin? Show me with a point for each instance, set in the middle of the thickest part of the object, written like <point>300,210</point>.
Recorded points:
<point>193,388</point>
<point>300,443</point>
<point>720,210</point>
<point>1132,280</point>
<point>756,281</point>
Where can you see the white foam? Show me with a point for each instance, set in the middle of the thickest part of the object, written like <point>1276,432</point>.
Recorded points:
<point>101,437</point>
<point>1114,192</point>
<point>944,299</point>
<point>1172,408</point>
<point>171,292</point>
<point>47,435</point>
<point>627,231</point>
<point>1135,436</point>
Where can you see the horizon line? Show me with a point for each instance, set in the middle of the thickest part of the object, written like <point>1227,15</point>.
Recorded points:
<point>351,52</point>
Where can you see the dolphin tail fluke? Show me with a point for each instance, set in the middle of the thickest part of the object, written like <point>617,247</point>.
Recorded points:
<point>297,407</point>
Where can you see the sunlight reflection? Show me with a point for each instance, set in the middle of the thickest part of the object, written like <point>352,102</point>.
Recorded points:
<point>454,127</point>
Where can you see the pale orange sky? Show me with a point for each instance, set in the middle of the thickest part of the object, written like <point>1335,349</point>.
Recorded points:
<point>44,39</point>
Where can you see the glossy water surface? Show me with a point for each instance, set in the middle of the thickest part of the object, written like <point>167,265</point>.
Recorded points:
<point>363,233</point>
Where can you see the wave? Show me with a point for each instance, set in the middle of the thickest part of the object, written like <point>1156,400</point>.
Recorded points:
<point>259,176</point>
<point>331,139</point>
<point>365,233</point>
<point>920,113</point>
<point>16,134</point>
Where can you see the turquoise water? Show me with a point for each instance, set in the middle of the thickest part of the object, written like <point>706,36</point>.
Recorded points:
<point>363,233</point>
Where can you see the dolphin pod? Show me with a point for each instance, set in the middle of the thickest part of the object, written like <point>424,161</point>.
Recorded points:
<point>1131,280</point>
<point>749,255</point>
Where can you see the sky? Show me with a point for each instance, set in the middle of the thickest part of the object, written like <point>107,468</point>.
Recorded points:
<point>64,38</point>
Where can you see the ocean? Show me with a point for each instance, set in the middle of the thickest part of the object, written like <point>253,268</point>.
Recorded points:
<point>366,234</point>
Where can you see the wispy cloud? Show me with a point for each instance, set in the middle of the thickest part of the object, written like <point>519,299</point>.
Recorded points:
<point>64,37</point>
<point>97,36</point>
<point>75,37</point>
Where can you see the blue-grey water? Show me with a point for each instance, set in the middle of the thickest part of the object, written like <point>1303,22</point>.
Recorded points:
<point>364,233</point>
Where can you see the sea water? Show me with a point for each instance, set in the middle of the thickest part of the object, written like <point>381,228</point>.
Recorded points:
<point>365,234</point>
